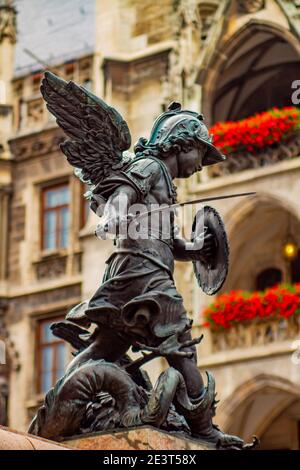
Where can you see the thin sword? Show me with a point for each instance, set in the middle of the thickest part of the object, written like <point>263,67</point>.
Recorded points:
<point>194,201</point>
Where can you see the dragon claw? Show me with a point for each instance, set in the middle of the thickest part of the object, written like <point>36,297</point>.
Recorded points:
<point>171,346</point>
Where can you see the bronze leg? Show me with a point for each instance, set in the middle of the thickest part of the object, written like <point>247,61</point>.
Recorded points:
<point>188,368</point>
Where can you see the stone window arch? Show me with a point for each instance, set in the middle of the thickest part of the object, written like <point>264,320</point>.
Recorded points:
<point>251,72</point>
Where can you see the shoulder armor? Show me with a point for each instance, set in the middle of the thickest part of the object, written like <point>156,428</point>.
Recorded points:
<point>140,173</point>
<point>143,168</point>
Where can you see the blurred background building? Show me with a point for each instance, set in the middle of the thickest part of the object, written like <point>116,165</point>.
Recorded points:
<point>226,58</point>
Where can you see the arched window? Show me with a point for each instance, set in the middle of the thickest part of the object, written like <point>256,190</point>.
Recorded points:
<point>257,75</point>
<point>268,278</point>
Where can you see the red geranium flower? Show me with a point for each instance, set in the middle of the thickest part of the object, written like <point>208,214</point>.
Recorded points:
<point>242,307</point>
<point>256,132</point>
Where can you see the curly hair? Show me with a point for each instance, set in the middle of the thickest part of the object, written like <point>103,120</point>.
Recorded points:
<point>184,139</point>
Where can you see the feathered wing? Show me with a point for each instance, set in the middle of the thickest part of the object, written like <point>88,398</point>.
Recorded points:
<point>98,133</point>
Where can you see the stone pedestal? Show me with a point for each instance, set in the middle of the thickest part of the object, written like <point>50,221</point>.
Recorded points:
<point>15,440</point>
<point>142,438</point>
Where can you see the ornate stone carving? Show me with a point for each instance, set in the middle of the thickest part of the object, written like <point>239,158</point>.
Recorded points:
<point>207,10</point>
<point>43,144</point>
<point>11,354</point>
<point>35,111</point>
<point>7,22</point>
<point>291,9</point>
<point>251,6</point>
<point>258,333</point>
<point>51,268</point>
<point>178,83</point>
<point>20,306</point>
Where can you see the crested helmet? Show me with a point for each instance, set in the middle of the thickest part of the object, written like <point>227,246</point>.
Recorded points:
<point>175,120</point>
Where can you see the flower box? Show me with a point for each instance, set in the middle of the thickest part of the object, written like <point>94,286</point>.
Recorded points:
<point>244,308</point>
<point>256,133</point>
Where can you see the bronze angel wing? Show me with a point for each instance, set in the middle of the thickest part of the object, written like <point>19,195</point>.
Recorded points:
<point>98,133</point>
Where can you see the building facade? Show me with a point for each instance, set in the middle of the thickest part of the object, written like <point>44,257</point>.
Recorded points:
<point>228,59</point>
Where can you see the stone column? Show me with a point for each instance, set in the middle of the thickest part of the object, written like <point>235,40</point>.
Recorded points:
<point>7,41</point>
<point>3,367</point>
<point>4,205</point>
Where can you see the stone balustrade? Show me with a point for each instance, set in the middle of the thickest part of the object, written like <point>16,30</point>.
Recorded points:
<point>288,150</point>
<point>258,333</point>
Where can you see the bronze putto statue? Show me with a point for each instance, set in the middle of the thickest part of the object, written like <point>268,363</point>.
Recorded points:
<point>137,305</point>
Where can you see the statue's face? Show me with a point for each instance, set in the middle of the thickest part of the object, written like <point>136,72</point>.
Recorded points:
<point>191,161</point>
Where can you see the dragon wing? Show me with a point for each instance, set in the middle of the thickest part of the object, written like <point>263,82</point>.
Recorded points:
<point>98,133</point>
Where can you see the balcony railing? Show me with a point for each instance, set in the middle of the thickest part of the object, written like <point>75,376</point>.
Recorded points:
<point>245,319</point>
<point>271,155</point>
<point>256,334</point>
<point>257,141</point>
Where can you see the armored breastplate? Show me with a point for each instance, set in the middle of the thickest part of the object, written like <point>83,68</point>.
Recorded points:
<point>159,225</point>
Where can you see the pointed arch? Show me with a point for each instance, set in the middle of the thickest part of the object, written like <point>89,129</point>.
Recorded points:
<point>257,229</point>
<point>242,209</point>
<point>255,404</point>
<point>250,53</point>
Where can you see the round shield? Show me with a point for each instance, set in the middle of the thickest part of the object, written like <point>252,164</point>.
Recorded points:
<point>211,273</point>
